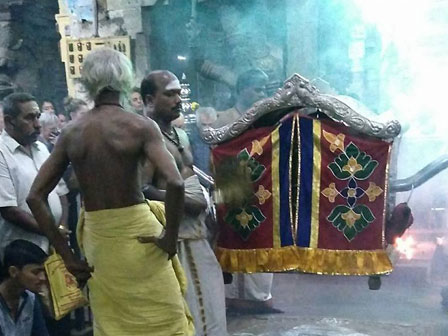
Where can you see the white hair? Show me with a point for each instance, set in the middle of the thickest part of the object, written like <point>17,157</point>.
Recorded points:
<point>107,68</point>
<point>207,111</point>
<point>48,120</point>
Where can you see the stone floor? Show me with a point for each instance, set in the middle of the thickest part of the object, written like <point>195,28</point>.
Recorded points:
<point>294,326</point>
<point>406,305</point>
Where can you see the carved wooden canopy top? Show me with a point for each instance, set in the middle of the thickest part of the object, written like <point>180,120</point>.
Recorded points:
<point>297,92</point>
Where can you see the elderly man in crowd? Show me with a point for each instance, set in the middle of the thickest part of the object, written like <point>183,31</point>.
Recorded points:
<point>49,130</point>
<point>135,288</point>
<point>205,117</point>
<point>21,157</point>
<point>205,295</point>
<point>136,101</point>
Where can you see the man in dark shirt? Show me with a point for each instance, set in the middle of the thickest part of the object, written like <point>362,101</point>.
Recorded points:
<point>23,275</point>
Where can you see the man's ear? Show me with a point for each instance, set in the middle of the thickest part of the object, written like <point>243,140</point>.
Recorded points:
<point>9,120</point>
<point>148,105</point>
<point>148,99</point>
<point>13,272</point>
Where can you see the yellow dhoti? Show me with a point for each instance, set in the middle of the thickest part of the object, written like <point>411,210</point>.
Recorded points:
<point>134,290</point>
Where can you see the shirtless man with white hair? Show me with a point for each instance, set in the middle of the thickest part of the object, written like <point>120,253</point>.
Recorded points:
<point>134,288</point>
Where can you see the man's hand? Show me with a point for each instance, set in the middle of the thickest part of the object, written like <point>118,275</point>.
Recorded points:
<point>53,137</point>
<point>80,269</point>
<point>64,232</point>
<point>152,193</point>
<point>167,244</point>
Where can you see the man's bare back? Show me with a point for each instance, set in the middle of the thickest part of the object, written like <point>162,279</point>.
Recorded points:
<point>106,148</point>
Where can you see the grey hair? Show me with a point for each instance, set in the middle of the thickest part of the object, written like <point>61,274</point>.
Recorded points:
<point>48,120</point>
<point>208,111</point>
<point>106,68</point>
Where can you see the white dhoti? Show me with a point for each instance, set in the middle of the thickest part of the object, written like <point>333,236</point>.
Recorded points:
<point>254,287</point>
<point>205,293</point>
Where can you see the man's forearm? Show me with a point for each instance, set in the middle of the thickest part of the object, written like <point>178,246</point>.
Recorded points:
<point>174,208</point>
<point>46,221</point>
<point>64,217</point>
<point>153,194</point>
<point>192,207</point>
<point>20,218</point>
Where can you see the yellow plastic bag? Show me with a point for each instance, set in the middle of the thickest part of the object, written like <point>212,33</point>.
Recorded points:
<point>64,292</point>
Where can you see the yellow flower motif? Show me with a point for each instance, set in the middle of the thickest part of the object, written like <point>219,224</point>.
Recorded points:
<point>330,192</point>
<point>352,166</point>
<point>257,146</point>
<point>244,218</point>
<point>336,141</point>
<point>262,194</point>
<point>351,192</point>
<point>350,217</point>
<point>373,191</point>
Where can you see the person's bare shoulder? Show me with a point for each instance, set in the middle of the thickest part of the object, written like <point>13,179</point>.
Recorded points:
<point>148,127</point>
<point>67,131</point>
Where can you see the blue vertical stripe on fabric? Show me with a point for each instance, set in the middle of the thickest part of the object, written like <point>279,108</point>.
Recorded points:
<point>284,149</point>
<point>306,182</point>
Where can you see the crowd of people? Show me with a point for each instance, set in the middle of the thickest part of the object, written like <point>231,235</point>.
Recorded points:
<point>118,199</point>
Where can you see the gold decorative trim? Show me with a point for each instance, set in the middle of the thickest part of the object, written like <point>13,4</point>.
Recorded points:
<point>275,175</point>
<point>386,196</point>
<point>197,286</point>
<point>308,260</point>
<point>299,175</point>
<point>291,217</point>
<point>314,238</point>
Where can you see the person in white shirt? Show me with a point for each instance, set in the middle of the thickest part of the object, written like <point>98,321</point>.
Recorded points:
<point>21,157</point>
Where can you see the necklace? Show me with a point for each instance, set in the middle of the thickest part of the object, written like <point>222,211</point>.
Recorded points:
<point>175,140</point>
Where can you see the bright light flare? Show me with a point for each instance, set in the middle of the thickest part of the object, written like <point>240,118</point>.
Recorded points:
<point>406,246</point>
<point>181,58</point>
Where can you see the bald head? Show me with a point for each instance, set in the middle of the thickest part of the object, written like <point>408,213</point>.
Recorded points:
<point>157,80</point>
<point>160,92</point>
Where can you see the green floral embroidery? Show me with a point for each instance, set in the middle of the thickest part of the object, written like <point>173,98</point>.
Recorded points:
<point>351,221</point>
<point>352,165</point>
<point>256,169</point>
<point>244,220</point>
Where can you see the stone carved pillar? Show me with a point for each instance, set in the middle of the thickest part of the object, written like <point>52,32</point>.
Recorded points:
<point>9,44</point>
